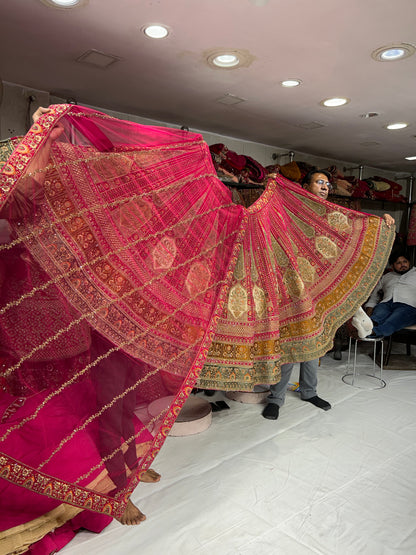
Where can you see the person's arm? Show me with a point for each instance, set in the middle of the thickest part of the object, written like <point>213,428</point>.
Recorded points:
<point>374,297</point>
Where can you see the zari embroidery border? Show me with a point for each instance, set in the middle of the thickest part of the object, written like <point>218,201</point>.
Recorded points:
<point>23,154</point>
<point>39,482</point>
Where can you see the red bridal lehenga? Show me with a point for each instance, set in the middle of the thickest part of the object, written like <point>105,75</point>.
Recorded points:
<point>127,274</point>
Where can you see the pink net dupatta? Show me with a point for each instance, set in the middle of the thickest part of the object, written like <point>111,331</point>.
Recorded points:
<point>304,268</point>
<point>117,248</point>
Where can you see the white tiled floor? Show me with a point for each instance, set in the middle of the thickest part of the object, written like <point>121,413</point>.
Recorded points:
<point>312,482</point>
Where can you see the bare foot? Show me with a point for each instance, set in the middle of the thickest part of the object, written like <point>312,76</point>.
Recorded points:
<point>150,475</point>
<point>131,515</point>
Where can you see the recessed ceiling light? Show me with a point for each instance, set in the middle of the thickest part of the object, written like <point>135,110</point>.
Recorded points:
<point>62,3</point>
<point>400,125</point>
<point>156,31</point>
<point>226,60</point>
<point>291,83</point>
<point>333,102</point>
<point>393,52</point>
<point>410,158</point>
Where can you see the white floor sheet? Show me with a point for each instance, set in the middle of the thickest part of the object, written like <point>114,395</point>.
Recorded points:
<point>312,482</point>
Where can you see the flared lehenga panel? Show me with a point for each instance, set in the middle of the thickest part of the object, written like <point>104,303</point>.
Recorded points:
<point>304,268</point>
<point>127,273</point>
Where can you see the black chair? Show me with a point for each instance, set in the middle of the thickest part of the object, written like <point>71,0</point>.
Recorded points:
<point>406,335</point>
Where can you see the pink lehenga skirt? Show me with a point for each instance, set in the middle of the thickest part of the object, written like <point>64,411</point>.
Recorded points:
<point>127,274</point>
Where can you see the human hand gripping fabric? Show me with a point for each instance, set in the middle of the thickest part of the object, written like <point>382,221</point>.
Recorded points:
<point>39,112</point>
<point>388,219</point>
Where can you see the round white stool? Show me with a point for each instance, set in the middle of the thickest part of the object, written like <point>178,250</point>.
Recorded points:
<point>195,415</point>
<point>257,396</point>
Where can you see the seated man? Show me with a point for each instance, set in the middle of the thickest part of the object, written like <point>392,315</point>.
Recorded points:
<point>397,308</point>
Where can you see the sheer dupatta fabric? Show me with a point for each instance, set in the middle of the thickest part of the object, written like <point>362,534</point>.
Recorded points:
<point>118,254</point>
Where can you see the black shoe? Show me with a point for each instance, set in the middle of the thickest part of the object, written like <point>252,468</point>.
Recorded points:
<point>222,405</point>
<point>318,402</point>
<point>209,392</point>
<point>271,411</point>
<point>337,354</point>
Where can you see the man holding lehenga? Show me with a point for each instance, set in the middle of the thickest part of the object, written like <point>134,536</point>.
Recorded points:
<point>317,182</point>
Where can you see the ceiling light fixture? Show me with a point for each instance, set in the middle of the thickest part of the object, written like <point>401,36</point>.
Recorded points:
<point>62,3</point>
<point>226,60</point>
<point>156,31</point>
<point>334,102</point>
<point>229,59</point>
<point>393,52</point>
<point>410,158</point>
<point>291,83</point>
<point>399,125</point>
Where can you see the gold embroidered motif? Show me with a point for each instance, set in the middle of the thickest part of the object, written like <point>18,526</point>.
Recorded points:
<point>294,247</point>
<point>254,272</point>
<point>307,271</point>
<point>326,247</point>
<point>318,208</point>
<point>237,301</point>
<point>239,272</point>
<point>134,214</point>
<point>338,221</point>
<point>198,278</point>
<point>259,297</point>
<point>164,253</point>
<point>307,230</point>
<point>293,283</point>
<point>104,169</point>
<point>280,256</point>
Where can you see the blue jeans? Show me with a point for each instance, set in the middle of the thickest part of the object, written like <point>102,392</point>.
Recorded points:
<point>390,317</point>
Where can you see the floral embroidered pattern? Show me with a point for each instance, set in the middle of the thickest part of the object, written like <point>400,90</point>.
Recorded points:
<point>237,301</point>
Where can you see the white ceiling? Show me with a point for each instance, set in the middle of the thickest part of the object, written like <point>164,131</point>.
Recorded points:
<point>325,43</point>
